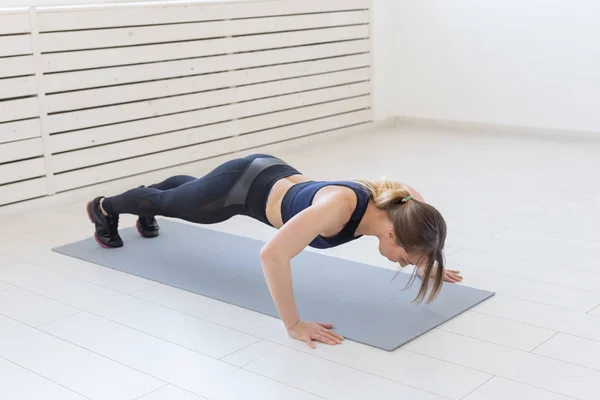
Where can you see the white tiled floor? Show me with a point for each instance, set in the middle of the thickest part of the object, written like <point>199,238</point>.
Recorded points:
<point>524,220</point>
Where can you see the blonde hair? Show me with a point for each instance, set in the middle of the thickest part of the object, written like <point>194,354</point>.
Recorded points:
<point>385,193</point>
<point>419,228</point>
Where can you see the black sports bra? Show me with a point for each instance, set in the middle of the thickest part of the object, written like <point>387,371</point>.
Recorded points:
<point>300,196</point>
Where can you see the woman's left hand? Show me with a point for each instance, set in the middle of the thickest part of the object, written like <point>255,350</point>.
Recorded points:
<point>450,275</point>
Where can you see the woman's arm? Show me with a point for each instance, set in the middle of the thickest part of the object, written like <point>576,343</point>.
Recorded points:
<point>289,241</point>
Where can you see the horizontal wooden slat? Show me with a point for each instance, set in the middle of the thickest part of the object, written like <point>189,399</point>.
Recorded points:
<point>103,38</point>
<point>149,90</point>
<point>17,87</point>
<point>15,45</point>
<point>11,23</point>
<point>26,190</point>
<point>15,151</point>
<point>296,115</point>
<point>135,129</point>
<point>55,62</point>
<point>89,176</point>
<point>123,15</point>
<point>295,131</point>
<point>11,110</point>
<point>133,148</point>
<point>16,66</point>
<point>21,170</point>
<point>151,108</point>
<point>11,131</point>
<point>146,72</point>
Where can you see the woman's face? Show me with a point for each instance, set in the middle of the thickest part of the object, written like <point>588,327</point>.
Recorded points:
<point>389,248</point>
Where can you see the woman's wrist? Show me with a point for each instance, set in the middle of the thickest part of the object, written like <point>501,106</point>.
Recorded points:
<point>293,325</point>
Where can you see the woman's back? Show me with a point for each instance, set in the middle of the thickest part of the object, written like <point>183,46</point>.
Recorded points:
<point>291,195</point>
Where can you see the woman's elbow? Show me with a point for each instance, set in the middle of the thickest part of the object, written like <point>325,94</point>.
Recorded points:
<point>268,256</point>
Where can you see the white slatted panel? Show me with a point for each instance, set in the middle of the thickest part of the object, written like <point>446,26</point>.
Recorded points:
<point>17,62</point>
<point>15,45</point>
<point>24,190</point>
<point>21,170</point>
<point>19,130</point>
<point>54,62</point>
<point>20,150</point>
<point>149,90</point>
<point>14,22</point>
<point>147,72</point>
<point>102,38</point>
<point>11,110</point>
<point>135,129</point>
<point>138,15</point>
<point>17,87</point>
<point>189,154</point>
<point>21,161</point>
<point>297,115</point>
<point>152,144</point>
<point>20,142</point>
<point>16,66</point>
<point>152,108</point>
<point>135,87</point>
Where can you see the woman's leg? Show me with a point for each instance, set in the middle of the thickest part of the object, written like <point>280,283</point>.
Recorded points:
<point>172,182</point>
<point>146,225</point>
<point>200,200</point>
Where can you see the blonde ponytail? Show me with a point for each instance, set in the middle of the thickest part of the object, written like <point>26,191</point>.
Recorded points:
<point>385,193</point>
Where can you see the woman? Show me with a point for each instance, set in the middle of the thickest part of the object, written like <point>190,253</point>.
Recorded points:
<point>319,214</point>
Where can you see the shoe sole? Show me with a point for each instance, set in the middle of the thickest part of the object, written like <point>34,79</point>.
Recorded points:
<point>87,210</point>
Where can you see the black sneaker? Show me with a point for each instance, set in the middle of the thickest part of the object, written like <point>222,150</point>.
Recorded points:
<point>147,227</point>
<point>107,232</point>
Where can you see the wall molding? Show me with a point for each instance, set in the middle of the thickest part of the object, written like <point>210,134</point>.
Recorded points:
<point>495,129</point>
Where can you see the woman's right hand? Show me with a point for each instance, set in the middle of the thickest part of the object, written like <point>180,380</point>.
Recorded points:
<point>309,331</point>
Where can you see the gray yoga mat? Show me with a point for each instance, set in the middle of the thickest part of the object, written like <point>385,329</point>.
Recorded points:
<point>361,300</point>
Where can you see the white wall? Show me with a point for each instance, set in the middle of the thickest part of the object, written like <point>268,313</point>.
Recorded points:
<point>529,63</point>
<point>383,34</point>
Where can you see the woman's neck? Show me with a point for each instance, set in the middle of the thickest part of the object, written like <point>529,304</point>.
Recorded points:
<point>375,222</point>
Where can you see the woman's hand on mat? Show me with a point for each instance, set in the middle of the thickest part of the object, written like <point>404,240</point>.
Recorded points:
<point>450,275</point>
<point>309,331</point>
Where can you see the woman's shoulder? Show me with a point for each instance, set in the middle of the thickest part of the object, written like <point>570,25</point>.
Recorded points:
<point>342,198</point>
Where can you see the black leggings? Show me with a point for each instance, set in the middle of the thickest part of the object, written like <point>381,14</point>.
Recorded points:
<point>237,187</point>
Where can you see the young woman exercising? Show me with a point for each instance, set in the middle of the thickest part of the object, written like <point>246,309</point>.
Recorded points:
<point>319,214</point>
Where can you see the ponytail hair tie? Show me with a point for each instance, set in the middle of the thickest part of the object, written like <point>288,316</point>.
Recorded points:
<point>407,198</point>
